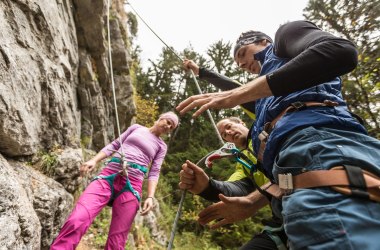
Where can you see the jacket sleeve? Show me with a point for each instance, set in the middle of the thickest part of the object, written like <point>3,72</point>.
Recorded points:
<point>224,83</point>
<point>229,188</point>
<point>315,57</point>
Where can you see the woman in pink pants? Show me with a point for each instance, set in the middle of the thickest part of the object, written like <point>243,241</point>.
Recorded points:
<point>142,147</point>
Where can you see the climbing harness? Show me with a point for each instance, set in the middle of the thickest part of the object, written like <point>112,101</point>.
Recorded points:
<point>348,180</point>
<point>111,179</point>
<point>230,150</point>
<point>272,233</point>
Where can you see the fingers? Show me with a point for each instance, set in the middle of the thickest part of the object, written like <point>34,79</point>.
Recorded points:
<point>194,168</point>
<point>183,186</point>
<point>147,206</point>
<point>203,108</point>
<point>186,175</point>
<point>83,169</point>
<point>187,178</point>
<point>191,65</point>
<point>144,212</point>
<point>186,64</point>
<point>220,224</point>
<point>207,218</point>
<point>210,213</point>
<point>225,199</point>
<point>193,102</point>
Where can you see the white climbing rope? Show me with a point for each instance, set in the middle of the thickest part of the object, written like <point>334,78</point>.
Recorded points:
<point>124,162</point>
<point>192,73</point>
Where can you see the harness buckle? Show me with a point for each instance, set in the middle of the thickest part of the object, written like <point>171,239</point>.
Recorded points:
<point>124,171</point>
<point>263,136</point>
<point>285,182</point>
<point>298,105</point>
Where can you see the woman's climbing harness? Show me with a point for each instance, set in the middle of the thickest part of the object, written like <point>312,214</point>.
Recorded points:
<point>111,179</point>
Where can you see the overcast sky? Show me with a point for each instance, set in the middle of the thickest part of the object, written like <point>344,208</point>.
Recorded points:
<point>200,23</point>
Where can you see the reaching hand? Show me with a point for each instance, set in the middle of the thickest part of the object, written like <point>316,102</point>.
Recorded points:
<point>256,89</point>
<point>87,167</point>
<point>227,211</point>
<point>217,100</point>
<point>148,205</point>
<point>193,178</point>
<point>191,65</point>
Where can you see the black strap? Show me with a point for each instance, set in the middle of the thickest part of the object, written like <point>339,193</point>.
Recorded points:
<point>358,118</point>
<point>357,182</point>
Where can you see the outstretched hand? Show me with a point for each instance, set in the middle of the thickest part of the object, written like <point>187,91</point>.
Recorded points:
<point>217,100</point>
<point>87,167</point>
<point>228,210</point>
<point>193,178</point>
<point>256,89</point>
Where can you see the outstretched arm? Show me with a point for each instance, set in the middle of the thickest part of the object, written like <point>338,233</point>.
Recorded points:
<point>220,81</point>
<point>232,209</point>
<point>317,57</point>
<point>251,91</point>
<point>88,166</point>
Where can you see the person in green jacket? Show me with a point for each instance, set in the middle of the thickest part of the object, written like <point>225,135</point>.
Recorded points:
<point>242,181</point>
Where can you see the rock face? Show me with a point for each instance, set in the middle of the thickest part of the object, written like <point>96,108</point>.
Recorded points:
<point>20,227</point>
<point>51,202</point>
<point>55,95</point>
<point>38,70</point>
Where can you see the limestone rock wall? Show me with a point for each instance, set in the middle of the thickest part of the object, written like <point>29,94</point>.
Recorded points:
<point>55,102</point>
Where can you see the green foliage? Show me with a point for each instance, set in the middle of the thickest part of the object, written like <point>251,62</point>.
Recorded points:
<point>47,162</point>
<point>147,111</point>
<point>188,241</point>
<point>132,24</point>
<point>99,228</point>
<point>85,141</point>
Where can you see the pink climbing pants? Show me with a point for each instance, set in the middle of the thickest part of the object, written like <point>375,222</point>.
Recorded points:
<point>93,199</point>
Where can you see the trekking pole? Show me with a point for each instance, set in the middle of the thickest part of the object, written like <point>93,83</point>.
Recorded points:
<point>179,210</point>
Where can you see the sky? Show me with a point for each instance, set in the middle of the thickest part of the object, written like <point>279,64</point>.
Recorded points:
<point>200,23</point>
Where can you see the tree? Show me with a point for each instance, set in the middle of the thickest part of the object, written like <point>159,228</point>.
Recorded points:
<point>358,21</point>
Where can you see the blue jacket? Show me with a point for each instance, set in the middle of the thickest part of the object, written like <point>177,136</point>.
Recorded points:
<point>270,107</point>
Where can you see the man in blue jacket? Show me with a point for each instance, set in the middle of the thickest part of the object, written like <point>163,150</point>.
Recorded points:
<point>306,139</point>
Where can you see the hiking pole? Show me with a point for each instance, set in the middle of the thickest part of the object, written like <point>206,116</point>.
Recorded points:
<point>179,210</point>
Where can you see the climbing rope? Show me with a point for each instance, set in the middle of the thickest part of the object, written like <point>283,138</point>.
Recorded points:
<point>112,80</point>
<point>192,73</point>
